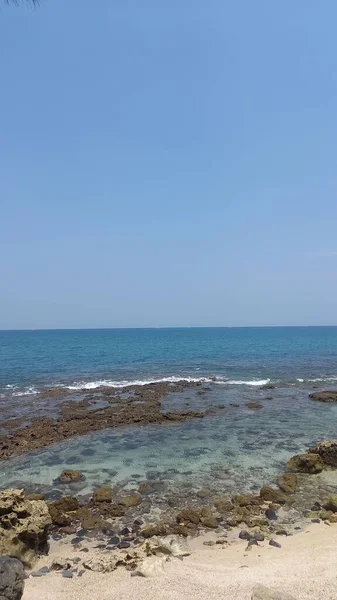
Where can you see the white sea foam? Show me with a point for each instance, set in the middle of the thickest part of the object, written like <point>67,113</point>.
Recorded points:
<point>91,385</point>
<point>30,391</point>
<point>317,379</point>
<point>252,382</point>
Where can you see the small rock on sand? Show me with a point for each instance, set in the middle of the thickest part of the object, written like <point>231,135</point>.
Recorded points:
<point>261,592</point>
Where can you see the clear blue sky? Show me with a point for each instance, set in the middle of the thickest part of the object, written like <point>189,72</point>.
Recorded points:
<point>168,163</point>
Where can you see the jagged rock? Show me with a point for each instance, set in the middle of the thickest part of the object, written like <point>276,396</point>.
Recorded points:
<point>288,483</point>
<point>189,516</point>
<point>269,494</point>
<point>254,405</point>
<point>159,529</point>
<point>331,504</point>
<point>103,562</point>
<point>61,564</point>
<point>174,545</point>
<point>103,494</point>
<point>204,493</point>
<point>35,497</point>
<point>23,525</point>
<point>248,500</point>
<point>94,522</point>
<point>11,578</point>
<point>59,510</point>
<point>131,500</point>
<point>150,567</point>
<point>261,592</point>
<point>326,396</point>
<point>69,476</point>
<point>223,505</point>
<point>327,450</point>
<point>209,522</point>
<point>306,463</point>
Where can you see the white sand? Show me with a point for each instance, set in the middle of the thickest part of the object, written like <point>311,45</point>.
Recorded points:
<point>305,566</point>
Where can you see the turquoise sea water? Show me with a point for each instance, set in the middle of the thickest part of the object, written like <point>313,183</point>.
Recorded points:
<point>235,449</point>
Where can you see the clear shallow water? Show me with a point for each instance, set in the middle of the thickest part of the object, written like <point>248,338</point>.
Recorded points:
<point>237,449</point>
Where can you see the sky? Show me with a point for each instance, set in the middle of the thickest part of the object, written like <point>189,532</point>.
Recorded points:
<point>168,163</point>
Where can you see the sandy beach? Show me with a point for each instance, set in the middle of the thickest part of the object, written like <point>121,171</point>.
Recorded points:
<point>305,566</point>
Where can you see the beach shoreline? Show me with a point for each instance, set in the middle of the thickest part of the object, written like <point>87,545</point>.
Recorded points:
<point>304,566</point>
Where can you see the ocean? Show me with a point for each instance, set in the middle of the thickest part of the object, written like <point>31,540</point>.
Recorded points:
<point>234,450</point>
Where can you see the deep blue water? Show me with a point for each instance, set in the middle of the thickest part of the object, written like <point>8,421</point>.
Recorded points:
<point>286,354</point>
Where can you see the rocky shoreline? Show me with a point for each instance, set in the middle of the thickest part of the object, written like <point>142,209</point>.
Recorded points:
<point>113,527</point>
<point>103,408</point>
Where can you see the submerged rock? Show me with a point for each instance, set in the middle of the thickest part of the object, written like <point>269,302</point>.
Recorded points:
<point>288,483</point>
<point>269,494</point>
<point>325,396</point>
<point>11,578</point>
<point>254,405</point>
<point>327,450</point>
<point>59,510</point>
<point>306,463</point>
<point>189,516</point>
<point>331,504</point>
<point>131,500</point>
<point>69,476</point>
<point>24,526</point>
<point>103,494</point>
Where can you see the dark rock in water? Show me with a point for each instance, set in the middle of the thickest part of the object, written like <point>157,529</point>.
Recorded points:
<point>67,574</point>
<point>271,515</point>
<point>126,531</point>
<point>69,476</point>
<point>281,532</point>
<point>315,520</point>
<point>306,463</point>
<point>35,497</point>
<point>87,452</point>
<point>275,544</point>
<point>316,507</point>
<point>11,578</point>
<point>327,450</point>
<point>270,494</point>
<point>123,545</point>
<point>244,535</point>
<point>288,483</point>
<point>103,494</point>
<point>326,396</point>
<point>259,537</point>
<point>59,510</point>
<point>53,461</point>
<point>138,522</point>
<point>254,405</point>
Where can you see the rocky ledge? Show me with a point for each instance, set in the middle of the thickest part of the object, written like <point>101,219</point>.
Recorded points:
<point>104,408</point>
<point>325,396</point>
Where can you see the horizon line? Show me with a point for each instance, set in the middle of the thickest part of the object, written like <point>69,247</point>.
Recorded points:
<point>153,327</point>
